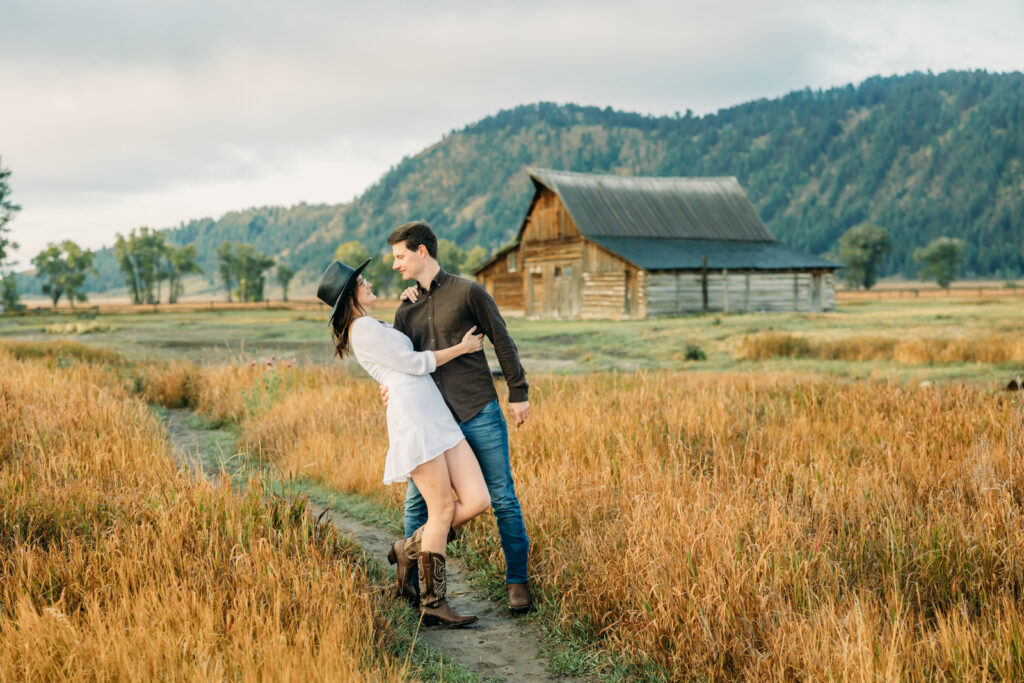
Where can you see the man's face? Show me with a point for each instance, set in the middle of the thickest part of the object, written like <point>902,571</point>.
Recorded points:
<point>408,263</point>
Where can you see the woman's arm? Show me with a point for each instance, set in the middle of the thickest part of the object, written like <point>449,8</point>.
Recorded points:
<point>373,343</point>
<point>471,343</point>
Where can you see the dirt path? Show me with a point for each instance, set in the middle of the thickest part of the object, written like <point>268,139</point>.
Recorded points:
<point>500,647</point>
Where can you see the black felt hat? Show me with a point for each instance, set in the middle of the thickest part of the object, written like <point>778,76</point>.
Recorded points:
<point>336,284</point>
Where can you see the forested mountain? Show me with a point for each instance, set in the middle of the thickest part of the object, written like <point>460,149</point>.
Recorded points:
<point>921,155</point>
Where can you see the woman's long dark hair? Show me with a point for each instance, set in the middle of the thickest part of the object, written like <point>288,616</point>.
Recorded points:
<point>350,310</point>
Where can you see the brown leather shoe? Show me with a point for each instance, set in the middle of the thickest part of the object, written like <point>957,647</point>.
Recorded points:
<point>404,553</point>
<point>434,607</point>
<point>520,601</point>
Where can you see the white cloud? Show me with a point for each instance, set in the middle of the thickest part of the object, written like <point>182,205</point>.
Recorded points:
<point>122,113</point>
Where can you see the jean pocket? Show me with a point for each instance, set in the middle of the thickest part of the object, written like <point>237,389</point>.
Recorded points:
<point>492,407</point>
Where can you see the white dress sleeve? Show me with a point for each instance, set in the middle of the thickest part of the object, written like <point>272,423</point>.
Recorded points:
<point>374,343</point>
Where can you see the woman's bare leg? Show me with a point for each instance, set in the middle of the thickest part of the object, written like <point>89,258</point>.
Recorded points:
<point>431,478</point>
<point>468,482</point>
<point>457,469</point>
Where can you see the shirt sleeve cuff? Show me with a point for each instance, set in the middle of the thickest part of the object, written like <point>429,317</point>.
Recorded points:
<point>516,395</point>
<point>431,362</point>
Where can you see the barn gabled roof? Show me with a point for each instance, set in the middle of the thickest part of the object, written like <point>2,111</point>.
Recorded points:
<point>661,208</point>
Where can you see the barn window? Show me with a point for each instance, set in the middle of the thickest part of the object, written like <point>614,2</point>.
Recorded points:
<point>558,271</point>
<point>567,271</point>
<point>512,262</point>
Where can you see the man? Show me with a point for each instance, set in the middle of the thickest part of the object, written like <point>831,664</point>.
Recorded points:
<point>439,308</point>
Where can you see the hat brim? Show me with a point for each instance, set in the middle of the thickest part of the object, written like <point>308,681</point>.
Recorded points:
<point>347,289</point>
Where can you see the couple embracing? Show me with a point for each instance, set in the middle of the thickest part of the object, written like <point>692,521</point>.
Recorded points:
<point>446,431</point>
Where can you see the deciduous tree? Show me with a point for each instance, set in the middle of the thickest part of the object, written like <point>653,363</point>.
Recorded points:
<point>181,261</point>
<point>8,281</point>
<point>451,256</point>
<point>284,277</point>
<point>64,268</point>
<point>941,259</point>
<point>226,255</point>
<point>351,253</point>
<point>861,250</point>
<point>475,258</point>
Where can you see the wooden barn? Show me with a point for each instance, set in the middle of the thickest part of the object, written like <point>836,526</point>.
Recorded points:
<point>598,246</point>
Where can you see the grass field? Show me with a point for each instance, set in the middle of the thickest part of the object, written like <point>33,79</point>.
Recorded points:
<point>115,565</point>
<point>235,336</point>
<point>797,505</point>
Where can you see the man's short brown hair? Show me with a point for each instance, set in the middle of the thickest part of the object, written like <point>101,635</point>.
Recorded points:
<point>415,233</point>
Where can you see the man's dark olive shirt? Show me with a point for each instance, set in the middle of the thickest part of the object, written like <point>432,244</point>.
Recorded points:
<point>439,319</point>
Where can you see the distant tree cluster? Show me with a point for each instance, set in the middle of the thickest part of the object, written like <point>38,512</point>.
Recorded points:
<point>243,270</point>
<point>862,248</point>
<point>147,260</point>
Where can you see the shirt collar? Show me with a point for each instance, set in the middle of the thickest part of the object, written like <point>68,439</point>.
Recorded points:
<point>438,281</point>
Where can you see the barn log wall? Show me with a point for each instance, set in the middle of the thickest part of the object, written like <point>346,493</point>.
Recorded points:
<point>504,286</point>
<point>604,295</point>
<point>828,292</point>
<point>676,292</point>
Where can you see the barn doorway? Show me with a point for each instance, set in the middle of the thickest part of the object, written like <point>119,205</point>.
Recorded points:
<point>536,292</point>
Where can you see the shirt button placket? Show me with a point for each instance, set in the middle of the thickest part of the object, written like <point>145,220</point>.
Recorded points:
<point>430,321</point>
<point>433,332</point>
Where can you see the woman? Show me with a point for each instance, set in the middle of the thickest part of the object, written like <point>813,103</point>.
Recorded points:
<point>424,440</point>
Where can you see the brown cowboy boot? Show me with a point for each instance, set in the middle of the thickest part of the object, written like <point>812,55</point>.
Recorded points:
<point>520,601</point>
<point>404,553</point>
<point>434,607</point>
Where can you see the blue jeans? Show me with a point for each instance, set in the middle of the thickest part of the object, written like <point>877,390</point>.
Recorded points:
<point>487,435</point>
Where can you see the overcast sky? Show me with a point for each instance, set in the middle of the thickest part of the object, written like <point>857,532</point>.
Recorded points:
<point>117,114</point>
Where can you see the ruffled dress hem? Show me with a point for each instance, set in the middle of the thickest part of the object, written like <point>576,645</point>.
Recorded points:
<point>410,465</point>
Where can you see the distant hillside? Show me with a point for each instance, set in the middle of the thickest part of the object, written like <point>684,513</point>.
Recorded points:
<point>921,155</point>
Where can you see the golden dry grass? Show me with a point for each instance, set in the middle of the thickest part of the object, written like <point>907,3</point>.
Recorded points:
<point>115,566</point>
<point>726,526</point>
<point>748,527</point>
<point>989,349</point>
<point>60,352</point>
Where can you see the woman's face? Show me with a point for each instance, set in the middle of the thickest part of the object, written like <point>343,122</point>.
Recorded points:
<point>364,293</point>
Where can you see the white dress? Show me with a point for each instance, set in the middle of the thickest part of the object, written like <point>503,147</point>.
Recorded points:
<point>420,426</point>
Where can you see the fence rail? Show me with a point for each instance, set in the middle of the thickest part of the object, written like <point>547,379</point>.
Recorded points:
<point>962,291</point>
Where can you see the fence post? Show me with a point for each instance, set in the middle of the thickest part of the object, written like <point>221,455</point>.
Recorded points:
<point>704,280</point>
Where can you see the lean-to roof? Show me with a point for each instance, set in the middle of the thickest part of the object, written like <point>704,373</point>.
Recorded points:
<point>669,254</point>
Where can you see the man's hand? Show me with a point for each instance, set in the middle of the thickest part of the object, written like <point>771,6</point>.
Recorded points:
<point>410,294</point>
<point>520,412</point>
<point>384,395</point>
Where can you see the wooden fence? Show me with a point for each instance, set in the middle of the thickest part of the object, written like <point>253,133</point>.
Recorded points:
<point>957,291</point>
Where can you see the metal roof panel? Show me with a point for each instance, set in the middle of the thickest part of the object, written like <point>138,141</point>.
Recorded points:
<point>669,208</point>
<point>676,254</point>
